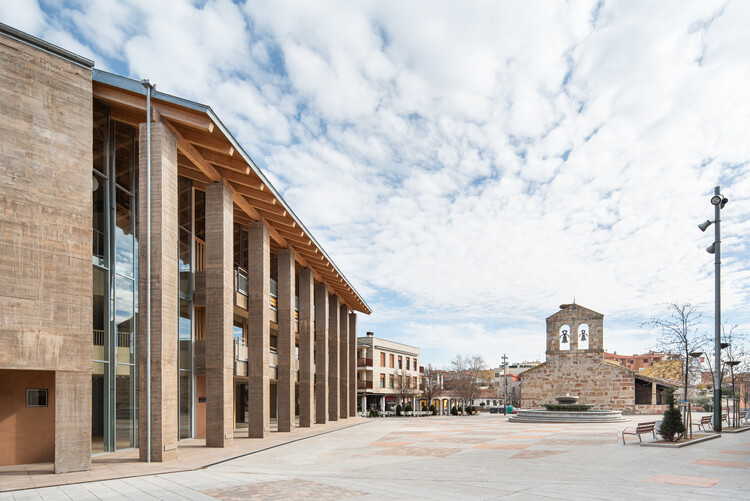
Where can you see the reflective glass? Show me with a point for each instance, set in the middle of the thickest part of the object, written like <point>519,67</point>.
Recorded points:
<point>100,136</point>
<point>124,320</point>
<point>124,255</point>
<point>184,202</point>
<point>186,352</point>
<point>124,407</point>
<point>200,215</point>
<point>184,264</point>
<point>99,407</point>
<point>186,414</point>
<point>124,157</point>
<point>99,220</point>
<point>100,314</point>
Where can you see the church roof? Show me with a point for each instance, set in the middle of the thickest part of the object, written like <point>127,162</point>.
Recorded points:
<point>577,308</point>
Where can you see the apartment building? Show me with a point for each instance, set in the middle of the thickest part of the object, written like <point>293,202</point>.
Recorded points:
<point>156,287</point>
<point>637,363</point>
<point>387,373</point>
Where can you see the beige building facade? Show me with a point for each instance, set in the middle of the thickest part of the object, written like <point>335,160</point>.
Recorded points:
<point>387,374</point>
<point>156,286</point>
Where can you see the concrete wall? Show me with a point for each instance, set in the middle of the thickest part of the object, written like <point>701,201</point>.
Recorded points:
<point>45,228</point>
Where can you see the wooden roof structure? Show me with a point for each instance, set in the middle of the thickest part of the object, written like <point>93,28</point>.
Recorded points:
<point>208,153</point>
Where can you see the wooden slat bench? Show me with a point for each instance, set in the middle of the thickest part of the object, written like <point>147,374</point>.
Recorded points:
<point>705,421</point>
<point>646,427</point>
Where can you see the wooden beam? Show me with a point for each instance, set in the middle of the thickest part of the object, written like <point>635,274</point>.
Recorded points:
<point>277,218</point>
<point>264,197</point>
<point>249,181</point>
<point>223,160</point>
<point>213,141</point>
<point>128,116</point>
<point>190,173</point>
<point>192,154</point>
<point>169,111</point>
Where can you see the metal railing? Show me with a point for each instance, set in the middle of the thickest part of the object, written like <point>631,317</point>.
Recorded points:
<point>240,280</point>
<point>98,337</point>
<point>364,362</point>
<point>364,385</point>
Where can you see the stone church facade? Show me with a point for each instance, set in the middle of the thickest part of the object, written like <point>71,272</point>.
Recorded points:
<point>575,365</point>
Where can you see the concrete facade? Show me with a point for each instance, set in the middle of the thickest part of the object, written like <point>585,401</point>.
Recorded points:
<point>45,238</point>
<point>378,373</point>
<point>216,226</point>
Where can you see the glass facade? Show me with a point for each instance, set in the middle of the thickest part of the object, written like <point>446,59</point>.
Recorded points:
<point>185,386</point>
<point>114,423</point>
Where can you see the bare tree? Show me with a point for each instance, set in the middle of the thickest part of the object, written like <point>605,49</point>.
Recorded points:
<point>465,376</point>
<point>404,385</point>
<point>736,350</point>
<point>678,334</point>
<point>431,386</point>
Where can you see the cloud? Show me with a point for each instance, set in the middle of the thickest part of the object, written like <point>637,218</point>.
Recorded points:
<point>470,169</point>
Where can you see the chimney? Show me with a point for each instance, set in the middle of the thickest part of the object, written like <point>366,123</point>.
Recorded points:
<point>370,334</point>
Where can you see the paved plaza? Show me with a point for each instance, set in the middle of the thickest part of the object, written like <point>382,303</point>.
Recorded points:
<point>477,457</point>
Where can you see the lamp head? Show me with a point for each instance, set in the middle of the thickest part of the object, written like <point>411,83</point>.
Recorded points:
<point>724,345</point>
<point>723,202</point>
<point>696,354</point>
<point>704,226</point>
<point>716,199</point>
<point>711,249</point>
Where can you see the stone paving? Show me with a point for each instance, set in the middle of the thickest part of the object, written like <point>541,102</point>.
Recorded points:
<point>472,457</point>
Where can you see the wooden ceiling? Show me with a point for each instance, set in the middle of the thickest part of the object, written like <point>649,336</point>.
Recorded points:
<point>206,155</point>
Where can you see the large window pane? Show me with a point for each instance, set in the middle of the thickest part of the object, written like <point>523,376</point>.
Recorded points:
<point>100,315</point>
<point>99,394</point>
<point>124,155</point>
<point>184,263</point>
<point>186,352</point>
<point>124,254</point>
<point>184,202</point>
<point>124,407</point>
<point>186,414</point>
<point>100,136</point>
<point>99,214</point>
<point>124,319</point>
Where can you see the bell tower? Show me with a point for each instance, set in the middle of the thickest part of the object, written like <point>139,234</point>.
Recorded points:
<point>575,329</point>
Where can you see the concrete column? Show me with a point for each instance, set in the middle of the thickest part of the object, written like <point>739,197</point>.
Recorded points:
<point>72,421</point>
<point>164,299</point>
<point>258,336</point>
<point>334,326</point>
<point>653,393</point>
<point>382,404</point>
<point>286,380</point>
<point>364,404</point>
<point>306,348</point>
<point>353,364</point>
<point>219,315</point>
<point>321,353</point>
<point>344,362</point>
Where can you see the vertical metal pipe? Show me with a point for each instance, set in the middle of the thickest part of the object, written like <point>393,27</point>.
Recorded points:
<point>148,86</point>
<point>717,313</point>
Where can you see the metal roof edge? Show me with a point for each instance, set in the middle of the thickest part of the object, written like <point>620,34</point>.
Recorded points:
<point>28,39</point>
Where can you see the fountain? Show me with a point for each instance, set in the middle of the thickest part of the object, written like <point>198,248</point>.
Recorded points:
<point>567,410</point>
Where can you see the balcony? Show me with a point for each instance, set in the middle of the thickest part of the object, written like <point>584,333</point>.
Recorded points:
<point>200,255</point>
<point>240,287</point>
<point>364,362</point>
<point>364,385</point>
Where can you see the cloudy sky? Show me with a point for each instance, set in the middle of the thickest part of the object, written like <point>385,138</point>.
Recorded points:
<point>472,165</point>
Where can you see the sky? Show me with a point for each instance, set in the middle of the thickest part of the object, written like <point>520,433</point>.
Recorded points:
<point>470,166</point>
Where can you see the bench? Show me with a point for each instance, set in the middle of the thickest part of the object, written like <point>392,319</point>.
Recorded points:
<point>705,421</point>
<point>647,427</point>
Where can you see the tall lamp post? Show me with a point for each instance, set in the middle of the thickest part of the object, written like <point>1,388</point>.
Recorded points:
<point>505,384</point>
<point>718,201</point>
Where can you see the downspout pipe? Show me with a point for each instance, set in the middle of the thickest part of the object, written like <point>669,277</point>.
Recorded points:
<point>149,88</point>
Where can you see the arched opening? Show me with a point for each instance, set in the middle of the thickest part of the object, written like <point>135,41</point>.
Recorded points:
<point>583,337</point>
<point>565,337</point>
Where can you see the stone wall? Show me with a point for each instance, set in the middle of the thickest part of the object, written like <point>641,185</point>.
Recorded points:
<point>583,374</point>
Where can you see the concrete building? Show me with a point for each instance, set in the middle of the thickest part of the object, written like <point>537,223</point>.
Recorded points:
<point>637,363</point>
<point>150,294</point>
<point>387,373</point>
<point>576,365</point>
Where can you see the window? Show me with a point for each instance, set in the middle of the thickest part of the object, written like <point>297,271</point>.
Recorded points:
<point>382,380</point>
<point>400,362</point>
<point>36,397</point>
<point>564,337</point>
<point>408,367</point>
<point>390,380</point>
<point>645,360</point>
<point>390,357</point>
<point>382,359</point>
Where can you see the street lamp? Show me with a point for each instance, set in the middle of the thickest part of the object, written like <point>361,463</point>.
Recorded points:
<point>505,384</point>
<point>718,201</point>
<point>696,354</point>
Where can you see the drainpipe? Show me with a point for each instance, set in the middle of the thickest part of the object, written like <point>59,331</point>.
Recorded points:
<point>149,87</point>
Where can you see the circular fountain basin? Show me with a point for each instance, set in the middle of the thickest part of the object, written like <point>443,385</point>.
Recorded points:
<point>545,416</point>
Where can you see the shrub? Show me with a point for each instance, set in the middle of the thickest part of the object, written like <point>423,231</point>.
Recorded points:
<point>399,410</point>
<point>481,404</point>
<point>454,411</point>
<point>671,426</point>
<point>373,414</point>
<point>433,409</point>
<point>409,408</point>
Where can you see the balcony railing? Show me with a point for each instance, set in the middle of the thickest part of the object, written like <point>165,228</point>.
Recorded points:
<point>98,247</point>
<point>200,255</point>
<point>240,280</point>
<point>364,362</point>
<point>364,385</point>
<point>98,338</point>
